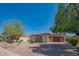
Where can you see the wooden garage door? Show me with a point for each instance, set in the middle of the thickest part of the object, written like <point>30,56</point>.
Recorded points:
<point>58,39</point>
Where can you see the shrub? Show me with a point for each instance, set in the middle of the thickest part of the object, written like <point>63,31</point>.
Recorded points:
<point>73,41</point>
<point>38,41</point>
<point>34,41</point>
<point>30,41</point>
<point>67,38</point>
<point>10,41</point>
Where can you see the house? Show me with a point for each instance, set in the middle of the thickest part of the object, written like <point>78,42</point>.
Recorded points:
<point>47,37</point>
<point>24,38</point>
<point>44,37</point>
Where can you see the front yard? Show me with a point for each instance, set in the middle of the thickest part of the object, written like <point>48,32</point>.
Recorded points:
<point>41,49</point>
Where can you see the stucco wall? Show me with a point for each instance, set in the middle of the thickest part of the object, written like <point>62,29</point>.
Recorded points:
<point>44,38</point>
<point>24,39</point>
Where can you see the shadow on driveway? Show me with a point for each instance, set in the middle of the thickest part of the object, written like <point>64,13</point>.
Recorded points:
<point>55,50</point>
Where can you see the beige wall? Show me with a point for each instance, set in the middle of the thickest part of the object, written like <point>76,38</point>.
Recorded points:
<point>44,38</point>
<point>50,38</point>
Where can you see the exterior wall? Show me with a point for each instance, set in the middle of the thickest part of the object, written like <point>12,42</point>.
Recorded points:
<point>44,38</point>
<point>24,39</point>
<point>33,37</point>
<point>47,38</point>
<point>50,38</point>
<point>38,38</point>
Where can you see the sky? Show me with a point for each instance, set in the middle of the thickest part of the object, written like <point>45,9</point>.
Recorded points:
<point>35,17</point>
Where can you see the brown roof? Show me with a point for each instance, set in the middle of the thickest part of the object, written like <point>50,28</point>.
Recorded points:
<point>54,34</point>
<point>42,34</point>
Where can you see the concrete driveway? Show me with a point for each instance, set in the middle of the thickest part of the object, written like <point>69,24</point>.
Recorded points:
<point>55,49</point>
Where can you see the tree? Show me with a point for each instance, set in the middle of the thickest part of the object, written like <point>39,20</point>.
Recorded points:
<point>58,16</point>
<point>13,29</point>
<point>67,19</point>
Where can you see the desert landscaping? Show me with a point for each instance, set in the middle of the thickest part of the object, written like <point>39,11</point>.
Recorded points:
<point>37,49</point>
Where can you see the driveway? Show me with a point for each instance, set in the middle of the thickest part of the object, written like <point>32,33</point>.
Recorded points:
<point>55,49</point>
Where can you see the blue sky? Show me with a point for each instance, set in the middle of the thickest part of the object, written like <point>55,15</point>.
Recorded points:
<point>36,17</point>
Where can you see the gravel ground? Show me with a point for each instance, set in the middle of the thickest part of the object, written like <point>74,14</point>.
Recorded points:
<point>23,49</point>
<point>4,52</point>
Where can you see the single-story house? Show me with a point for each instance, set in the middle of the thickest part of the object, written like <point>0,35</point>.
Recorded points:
<point>24,38</point>
<point>47,37</point>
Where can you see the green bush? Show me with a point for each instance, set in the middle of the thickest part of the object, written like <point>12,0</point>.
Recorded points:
<point>73,41</point>
<point>34,41</point>
<point>30,41</point>
<point>38,41</point>
<point>67,38</point>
